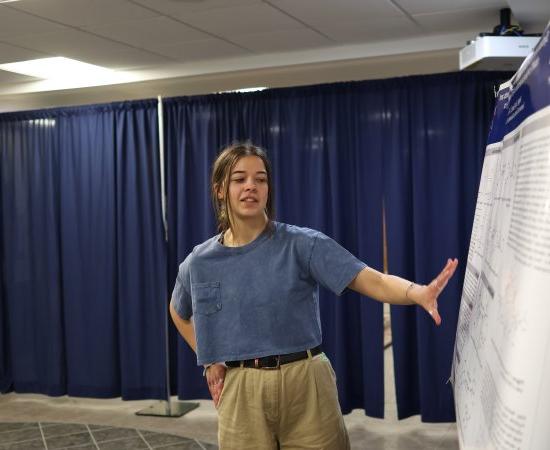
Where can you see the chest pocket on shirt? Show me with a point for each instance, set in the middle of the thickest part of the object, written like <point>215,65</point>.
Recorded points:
<point>207,297</point>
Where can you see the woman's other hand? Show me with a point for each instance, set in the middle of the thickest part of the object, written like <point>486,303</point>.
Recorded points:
<point>215,377</point>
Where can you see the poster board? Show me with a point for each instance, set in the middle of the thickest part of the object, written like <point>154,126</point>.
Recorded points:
<point>501,363</point>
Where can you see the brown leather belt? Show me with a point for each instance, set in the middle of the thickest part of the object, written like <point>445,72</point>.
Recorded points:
<point>273,361</point>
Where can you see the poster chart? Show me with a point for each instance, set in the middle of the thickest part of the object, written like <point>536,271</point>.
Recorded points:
<point>501,363</point>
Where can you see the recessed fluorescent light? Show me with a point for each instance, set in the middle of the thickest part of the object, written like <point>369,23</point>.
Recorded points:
<point>8,1</point>
<point>58,68</point>
<point>250,89</point>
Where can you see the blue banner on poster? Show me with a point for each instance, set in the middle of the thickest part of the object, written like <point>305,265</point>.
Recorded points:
<point>529,89</point>
<point>498,125</point>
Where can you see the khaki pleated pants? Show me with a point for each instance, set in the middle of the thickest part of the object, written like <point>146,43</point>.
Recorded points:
<point>294,407</point>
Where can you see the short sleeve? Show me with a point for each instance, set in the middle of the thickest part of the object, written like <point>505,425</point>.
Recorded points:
<point>332,265</point>
<point>181,297</point>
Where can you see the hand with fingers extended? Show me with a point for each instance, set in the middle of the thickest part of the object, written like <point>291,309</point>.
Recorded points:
<point>215,377</point>
<point>426,295</point>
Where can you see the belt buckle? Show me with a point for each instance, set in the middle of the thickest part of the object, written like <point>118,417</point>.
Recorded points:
<point>257,364</point>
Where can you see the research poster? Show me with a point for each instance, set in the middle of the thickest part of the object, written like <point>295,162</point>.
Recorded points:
<point>501,364</point>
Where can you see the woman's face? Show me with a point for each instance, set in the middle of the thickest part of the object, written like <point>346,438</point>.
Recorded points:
<point>248,188</point>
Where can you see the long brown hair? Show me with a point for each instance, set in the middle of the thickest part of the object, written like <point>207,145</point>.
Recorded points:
<point>221,173</point>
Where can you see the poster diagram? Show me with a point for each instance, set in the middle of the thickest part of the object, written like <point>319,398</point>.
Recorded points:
<point>501,364</point>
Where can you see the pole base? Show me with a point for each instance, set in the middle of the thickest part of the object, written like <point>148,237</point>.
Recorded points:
<point>165,409</point>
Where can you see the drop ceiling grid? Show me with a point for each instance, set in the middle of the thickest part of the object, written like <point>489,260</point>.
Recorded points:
<point>166,30</point>
<point>154,34</point>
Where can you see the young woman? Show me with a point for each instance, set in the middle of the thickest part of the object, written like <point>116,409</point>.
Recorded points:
<point>252,291</point>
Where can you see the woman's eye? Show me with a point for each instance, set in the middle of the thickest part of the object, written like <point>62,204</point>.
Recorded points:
<point>238,180</point>
<point>261,180</point>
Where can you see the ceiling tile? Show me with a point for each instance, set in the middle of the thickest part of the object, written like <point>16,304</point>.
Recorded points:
<point>182,7</point>
<point>16,23</point>
<point>10,53</point>
<point>127,59</point>
<point>472,19</point>
<point>201,50</point>
<point>532,15</point>
<point>68,41</point>
<point>150,33</point>
<point>239,20</point>
<point>371,31</point>
<point>88,48</point>
<point>10,77</point>
<point>84,12</point>
<point>321,12</point>
<point>278,41</point>
<point>433,6</point>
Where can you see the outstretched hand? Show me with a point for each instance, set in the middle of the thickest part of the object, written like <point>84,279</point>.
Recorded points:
<point>426,296</point>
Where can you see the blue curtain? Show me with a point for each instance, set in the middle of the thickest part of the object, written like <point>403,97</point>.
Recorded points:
<point>5,374</point>
<point>83,252</point>
<point>84,269</point>
<point>315,138</point>
<point>435,128</point>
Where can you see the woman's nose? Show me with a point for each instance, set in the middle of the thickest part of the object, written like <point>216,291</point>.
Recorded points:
<point>250,185</point>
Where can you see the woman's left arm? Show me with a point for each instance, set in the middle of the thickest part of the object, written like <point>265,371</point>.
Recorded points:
<point>398,291</point>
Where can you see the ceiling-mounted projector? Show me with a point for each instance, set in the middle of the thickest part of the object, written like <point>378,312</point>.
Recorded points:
<point>496,52</point>
<point>504,48</point>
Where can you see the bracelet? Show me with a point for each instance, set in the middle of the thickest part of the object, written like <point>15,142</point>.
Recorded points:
<point>206,368</point>
<point>408,289</point>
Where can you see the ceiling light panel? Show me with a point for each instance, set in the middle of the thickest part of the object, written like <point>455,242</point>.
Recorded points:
<point>57,68</point>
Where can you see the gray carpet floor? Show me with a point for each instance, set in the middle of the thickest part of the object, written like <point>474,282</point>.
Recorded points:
<point>48,435</point>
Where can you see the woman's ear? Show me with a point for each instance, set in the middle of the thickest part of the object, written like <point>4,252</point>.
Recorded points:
<point>219,191</point>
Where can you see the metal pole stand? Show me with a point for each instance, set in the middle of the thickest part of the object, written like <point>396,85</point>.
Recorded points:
<point>168,409</point>
<point>165,408</point>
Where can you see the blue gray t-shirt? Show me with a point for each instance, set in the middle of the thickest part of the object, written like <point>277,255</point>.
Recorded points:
<point>262,298</point>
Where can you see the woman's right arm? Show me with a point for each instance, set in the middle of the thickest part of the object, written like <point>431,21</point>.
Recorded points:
<point>215,374</point>
<point>185,328</point>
